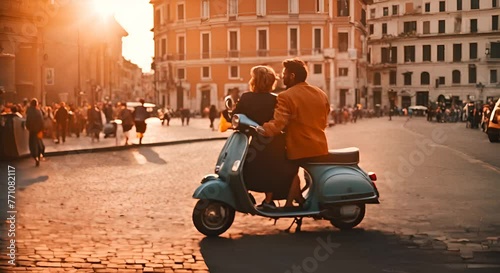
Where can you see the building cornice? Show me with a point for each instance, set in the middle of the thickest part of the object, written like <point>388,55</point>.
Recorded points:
<point>436,37</point>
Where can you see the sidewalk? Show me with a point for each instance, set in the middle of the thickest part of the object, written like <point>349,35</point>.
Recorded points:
<point>156,134</point>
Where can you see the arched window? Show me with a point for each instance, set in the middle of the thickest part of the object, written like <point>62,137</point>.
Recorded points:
<point>425,78</point>
<point>377,79</point>
<point>455,76</point>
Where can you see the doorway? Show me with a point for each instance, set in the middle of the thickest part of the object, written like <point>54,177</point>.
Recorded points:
<point>205,100</point>
<point>405,102</point>
<point>342,99</point>
<point>422,98</point>
<point>180,97</point>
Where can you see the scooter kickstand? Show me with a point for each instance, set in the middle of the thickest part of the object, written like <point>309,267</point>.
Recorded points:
<point>297,221</point>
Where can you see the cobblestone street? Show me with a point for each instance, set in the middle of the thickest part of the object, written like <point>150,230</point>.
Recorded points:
<point>130,211</point>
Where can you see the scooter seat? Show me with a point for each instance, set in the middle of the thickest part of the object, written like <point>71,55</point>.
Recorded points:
<point>338,156</point>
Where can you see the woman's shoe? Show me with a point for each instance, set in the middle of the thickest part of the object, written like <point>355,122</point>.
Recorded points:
<point>37,162</point>
<point>267,206</point>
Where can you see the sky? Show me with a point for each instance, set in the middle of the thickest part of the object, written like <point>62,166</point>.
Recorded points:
<point>136,17</point>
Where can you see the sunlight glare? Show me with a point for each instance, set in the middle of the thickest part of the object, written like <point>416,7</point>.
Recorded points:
<point>105,7</point>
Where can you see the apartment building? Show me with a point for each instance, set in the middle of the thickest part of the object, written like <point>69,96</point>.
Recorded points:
<point>205,48</point>
<point>433,50</point>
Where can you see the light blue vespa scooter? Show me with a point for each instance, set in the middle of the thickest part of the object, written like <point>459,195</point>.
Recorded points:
<point>338,188</point>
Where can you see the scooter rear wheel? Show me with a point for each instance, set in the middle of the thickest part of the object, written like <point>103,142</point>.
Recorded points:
<point>351,222</point>
<point>212,218</point>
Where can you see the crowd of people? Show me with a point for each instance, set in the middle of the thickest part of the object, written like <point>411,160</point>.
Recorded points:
<point>60,120</point>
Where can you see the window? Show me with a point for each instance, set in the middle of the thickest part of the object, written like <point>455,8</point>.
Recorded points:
<point>494,3</point>
<point>363,17</point>
<point>407,78</point>
<point>318,69</point>
<point>457,52</point>
<point>205,45</point>
<point>163,47</point>
<point>233,44</point>
<point>371,28</point>
<point>440,53</point>
<point>427,7</point>
<point>233,7</point>
<point>205,9</point>
<point>180,47</point>
<point>157,17</point>
<point>441,81</point>
<point>392,77</point>
<point>427,27</point>
<point>494,50</point>
<point>442,6</point>
<point>409,53</point>
<point>261,7</point>
<point>474,4</point>
<point>320,6</point>
<point>234,72</point>
<point>473,25</point>
<point>293,6</point>
<point>455,76</point>
<point>293,47</point>
<point>181,73</point>
<point>426,49</point>
<point>472,73</point>
<point>343,41</point>
<point>372,13</point>
<point>384,28</point>
<point>459,4</point>
<point>473,51</point>
<point>318,47</point>
<point>442,27</point>
<point>410,26</point>
<point>494,22</point>
<point>343,72</point>
<point>343,8</point>
<point>389,55</point>
<point>395,10</point>
<point>377,79</point>
<point>386,11</point>
<point>169,19</point>
<point>493,76</point>
<point>180,12</point>
<point>262,42</point>
<point>205,72</point>
<point>425,78</point>
<point>458,24</point>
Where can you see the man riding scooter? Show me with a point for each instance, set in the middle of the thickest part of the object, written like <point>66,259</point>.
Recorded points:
<point>302,111</point>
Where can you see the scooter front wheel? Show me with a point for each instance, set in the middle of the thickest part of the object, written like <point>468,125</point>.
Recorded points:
<point>212,218</point>
<point>356,213</point>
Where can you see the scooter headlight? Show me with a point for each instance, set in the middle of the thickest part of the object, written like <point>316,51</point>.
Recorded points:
<point>235,121</point>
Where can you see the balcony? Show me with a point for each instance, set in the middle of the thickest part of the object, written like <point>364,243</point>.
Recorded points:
<point>233,54</point>
<point>262,52</point>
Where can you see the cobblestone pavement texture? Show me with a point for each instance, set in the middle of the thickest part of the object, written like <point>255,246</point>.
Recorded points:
<point>130,211</point>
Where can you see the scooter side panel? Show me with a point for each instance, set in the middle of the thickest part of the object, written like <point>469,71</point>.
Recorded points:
<point>343,184</point>
<point>215,190</point>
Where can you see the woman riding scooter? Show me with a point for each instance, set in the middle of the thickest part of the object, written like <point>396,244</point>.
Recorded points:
<point>265,153</point>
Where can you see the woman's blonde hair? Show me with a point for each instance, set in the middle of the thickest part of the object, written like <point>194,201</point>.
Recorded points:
<point>263,79</point>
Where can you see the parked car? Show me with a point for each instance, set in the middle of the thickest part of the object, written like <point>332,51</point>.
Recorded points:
<point>493,129</point>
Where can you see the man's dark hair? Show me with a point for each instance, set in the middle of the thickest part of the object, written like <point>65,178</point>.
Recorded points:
<point>297,67</point>
<point>33,102</point>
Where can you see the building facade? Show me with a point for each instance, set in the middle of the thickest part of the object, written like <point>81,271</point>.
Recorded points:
<point>205,48</point>
<point>67,52</point>
<point>433,50</point>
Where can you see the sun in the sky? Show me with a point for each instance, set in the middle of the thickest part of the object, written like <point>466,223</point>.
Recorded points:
<point>105,7</point>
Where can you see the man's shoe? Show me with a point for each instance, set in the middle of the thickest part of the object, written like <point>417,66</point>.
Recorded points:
<point>267,206</point>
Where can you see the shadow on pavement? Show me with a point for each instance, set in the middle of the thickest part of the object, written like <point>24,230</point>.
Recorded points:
<point>354,251</point>
<point>28,182</point>
<point>151,155</point>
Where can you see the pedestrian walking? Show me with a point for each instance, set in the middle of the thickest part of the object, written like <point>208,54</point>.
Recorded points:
<point>185,116</point>
<point>127,121</point>
<point>61,117</point>
<point>212,114</point>
<point>34,124</point>
<point>95,122</point>
<point>140,115</point>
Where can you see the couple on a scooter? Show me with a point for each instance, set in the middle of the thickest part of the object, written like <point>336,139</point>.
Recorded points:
<point>301,112</point>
